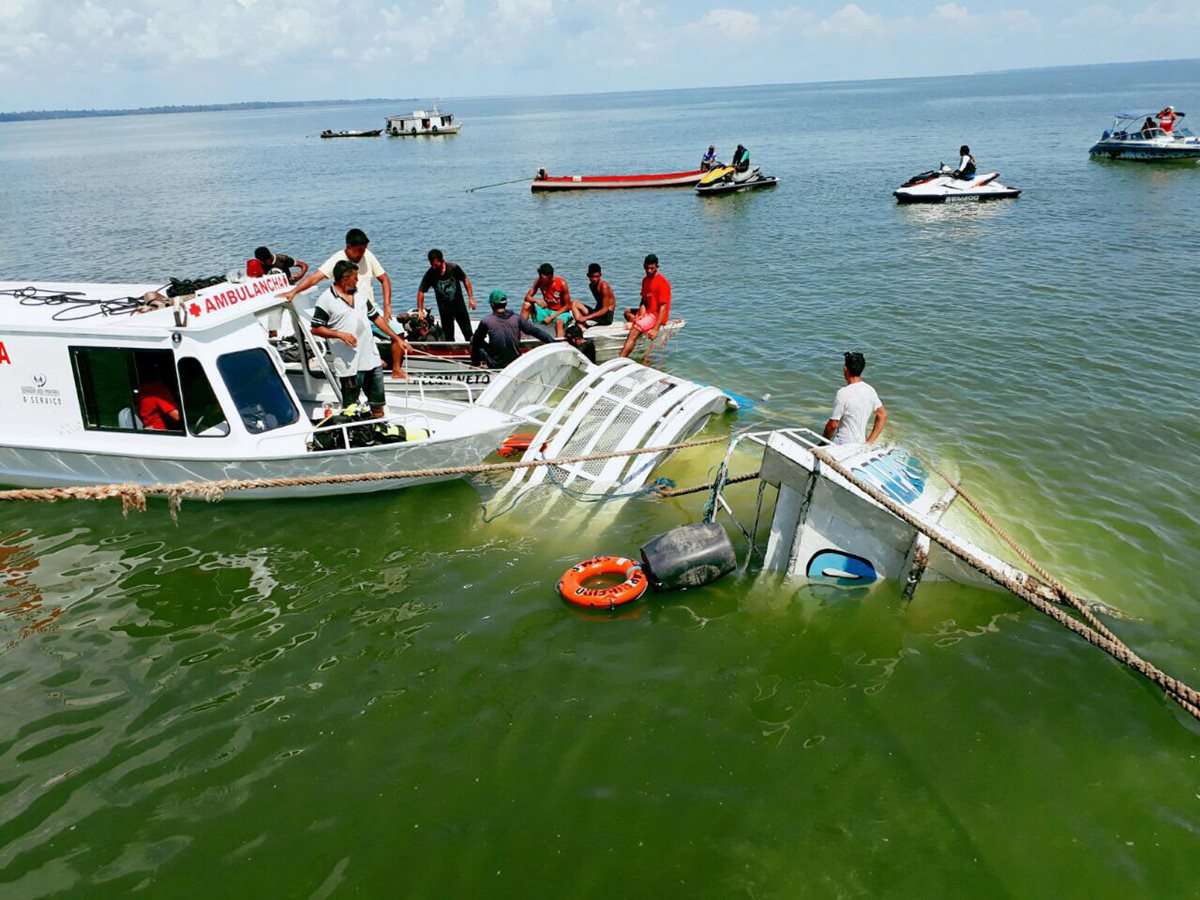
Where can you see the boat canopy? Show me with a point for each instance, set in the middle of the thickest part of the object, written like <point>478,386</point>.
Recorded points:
<point>1141,114</point>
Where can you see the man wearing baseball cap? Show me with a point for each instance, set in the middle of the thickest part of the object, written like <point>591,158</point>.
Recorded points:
<point>497,339</point>
<point>853,405</point>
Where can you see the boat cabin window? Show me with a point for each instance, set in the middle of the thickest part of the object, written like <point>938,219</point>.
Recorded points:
<point>201,408</point>
<point>127,390</point>
<point>257,389</point>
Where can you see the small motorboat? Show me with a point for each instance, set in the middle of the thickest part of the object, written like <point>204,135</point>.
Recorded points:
<point>943,186</point>
<point>544,182</point>
<point>727,180</point>
<point>1145,136</point>
<point>332,134</point>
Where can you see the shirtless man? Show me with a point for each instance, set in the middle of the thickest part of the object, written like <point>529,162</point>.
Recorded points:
<point>602,293</point>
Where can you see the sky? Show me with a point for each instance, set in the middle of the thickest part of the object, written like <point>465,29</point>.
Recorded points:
<point>85,54</point>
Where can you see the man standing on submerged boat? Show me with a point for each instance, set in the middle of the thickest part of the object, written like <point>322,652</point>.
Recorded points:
<point>368,267</point>
<point>853,405</point>
<point>447,280</point>
<point>344,320</point>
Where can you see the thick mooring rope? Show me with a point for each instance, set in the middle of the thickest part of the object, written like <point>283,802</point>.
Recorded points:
<point>1186,696</point>
<point>133,496</point>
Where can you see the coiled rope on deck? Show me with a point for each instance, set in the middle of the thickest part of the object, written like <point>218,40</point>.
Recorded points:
<point>1093,631</point>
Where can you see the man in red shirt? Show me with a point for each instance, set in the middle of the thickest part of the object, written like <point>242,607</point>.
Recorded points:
<point>555,304</point>
<point>157,407</point>
<point>655,308</point>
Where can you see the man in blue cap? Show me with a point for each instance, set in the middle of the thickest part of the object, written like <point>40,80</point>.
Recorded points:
<point>497,339</point>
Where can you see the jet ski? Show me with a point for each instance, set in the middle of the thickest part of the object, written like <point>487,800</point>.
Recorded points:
<point>943,186</point>
<point>727,180</point>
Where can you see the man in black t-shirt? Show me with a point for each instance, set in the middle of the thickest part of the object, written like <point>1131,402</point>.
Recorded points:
<point>280,262</point>
<point>447,280</point>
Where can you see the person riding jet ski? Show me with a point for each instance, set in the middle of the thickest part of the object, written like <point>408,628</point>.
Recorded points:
<point>741,159</point>
<point>966,165</point>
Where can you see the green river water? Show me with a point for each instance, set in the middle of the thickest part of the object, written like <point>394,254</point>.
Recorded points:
<point>383,695</point>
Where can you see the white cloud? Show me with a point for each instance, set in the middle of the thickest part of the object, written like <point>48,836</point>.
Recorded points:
<point>733,23</point>
<point>851,21</point>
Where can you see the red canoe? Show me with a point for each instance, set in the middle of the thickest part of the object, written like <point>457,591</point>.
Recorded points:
<point>611,182</point>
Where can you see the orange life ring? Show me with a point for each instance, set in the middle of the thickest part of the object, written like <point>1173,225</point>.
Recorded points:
<point>570,586</point>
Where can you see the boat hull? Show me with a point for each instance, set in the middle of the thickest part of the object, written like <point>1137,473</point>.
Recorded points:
<point>1183,151</point>
<point>615,182</point>
<point>36,467</point>
<point>720,188</point>
<point>964,197</point>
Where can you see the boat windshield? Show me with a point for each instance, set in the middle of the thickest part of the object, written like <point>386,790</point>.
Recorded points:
<point>257,390</point>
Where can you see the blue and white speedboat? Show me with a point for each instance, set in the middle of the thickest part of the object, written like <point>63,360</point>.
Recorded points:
<point>1140,135</point>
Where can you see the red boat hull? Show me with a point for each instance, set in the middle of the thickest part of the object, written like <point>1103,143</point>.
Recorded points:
<point>616,182</point>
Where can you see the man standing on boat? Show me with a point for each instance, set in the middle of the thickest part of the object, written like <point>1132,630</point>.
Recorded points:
<point>369,271</point>
<point>447,280</point>
<point>655,309</point>
<point>497,340</point>
<point>554,306</point>
<point>602,293</point>
<point>853,406</point>
<point>344,317</point>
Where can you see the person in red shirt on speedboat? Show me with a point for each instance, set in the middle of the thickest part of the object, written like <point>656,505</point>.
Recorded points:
<point>655,309</point>
<point>1166,119</point>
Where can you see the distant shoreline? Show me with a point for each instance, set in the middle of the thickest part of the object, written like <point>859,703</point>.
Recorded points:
<point>38,114</point>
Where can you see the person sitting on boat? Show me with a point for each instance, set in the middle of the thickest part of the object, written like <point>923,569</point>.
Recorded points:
<point>655,309</point>
<point>555,304</point>
<point>343,318</point>
<point>602,293</point>
<point>853,405</point>
<point>369,271</point>
<point>447,280</point>
<point>709,159</point>
<point>497,338</point>
<point>281,263</point>
<point>966,164</point>
<point>157,405</point>
<point>741,159</point>
<point>542,175</point>
<point>1166,119</point>
<point>1148,127</point>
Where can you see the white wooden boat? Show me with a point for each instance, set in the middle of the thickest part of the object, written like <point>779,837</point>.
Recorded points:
<point>445,366</point>
<point>77,362</point>
<point>421,122</point>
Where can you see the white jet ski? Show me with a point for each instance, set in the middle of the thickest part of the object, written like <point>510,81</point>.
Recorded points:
<point>942,186</point>
<point>725,180</point>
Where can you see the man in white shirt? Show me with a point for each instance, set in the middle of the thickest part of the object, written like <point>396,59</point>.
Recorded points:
<point>853,405</point>
<point>369,271</point>
<point>343,317</point>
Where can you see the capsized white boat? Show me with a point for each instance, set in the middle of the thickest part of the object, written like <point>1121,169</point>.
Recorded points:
<point>941,186</point>
<point>80,362</point>
<point>827,530</point>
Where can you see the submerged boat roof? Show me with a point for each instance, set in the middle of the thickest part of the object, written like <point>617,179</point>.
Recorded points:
<point>69,306</point>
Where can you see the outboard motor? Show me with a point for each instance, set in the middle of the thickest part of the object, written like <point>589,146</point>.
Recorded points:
<point>688,556</point>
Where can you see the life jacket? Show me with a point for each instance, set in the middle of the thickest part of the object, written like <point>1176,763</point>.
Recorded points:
<point>1166,120</point>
